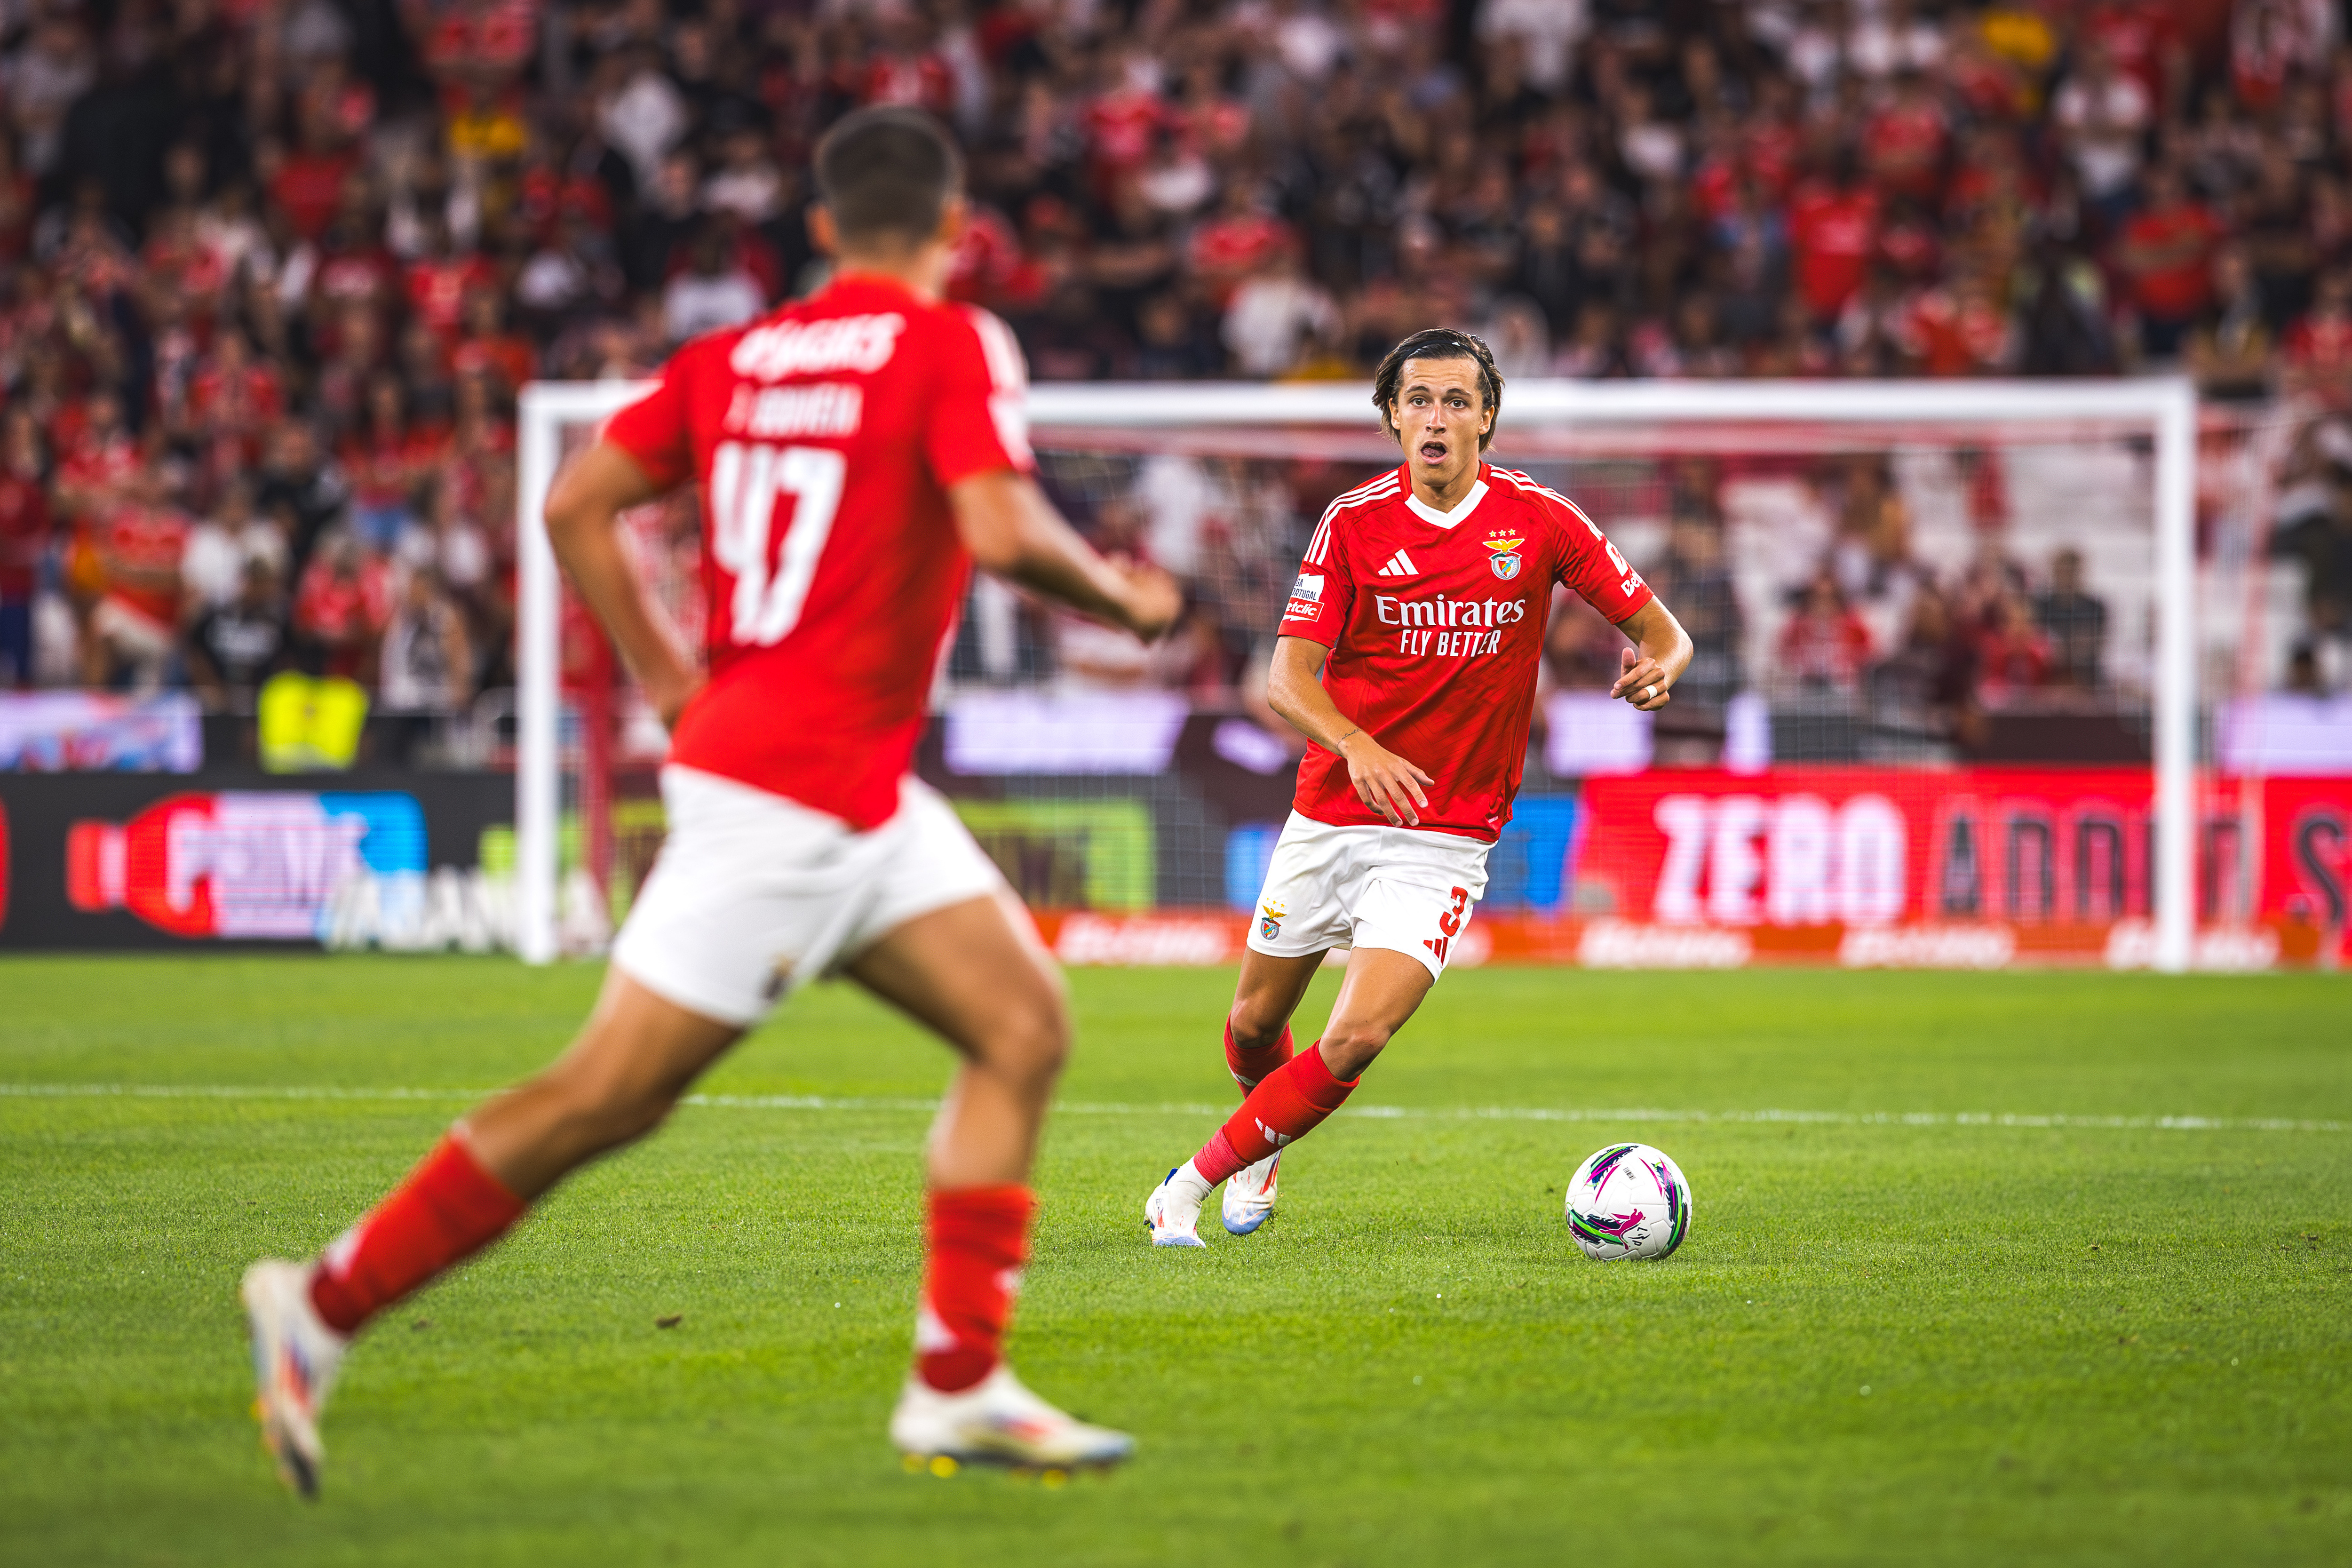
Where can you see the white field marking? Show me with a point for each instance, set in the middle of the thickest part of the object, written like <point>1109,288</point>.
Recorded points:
<point>1380,1112</point>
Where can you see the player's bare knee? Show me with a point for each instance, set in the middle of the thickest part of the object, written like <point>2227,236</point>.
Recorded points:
<point>1349,1049</point>
<point>1255,1024</point>
<point>1030,1040</point>
<point>1047,1045</point>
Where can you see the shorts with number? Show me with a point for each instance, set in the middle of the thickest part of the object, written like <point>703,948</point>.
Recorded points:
<point>1397,888</point>
<point>754,893</point>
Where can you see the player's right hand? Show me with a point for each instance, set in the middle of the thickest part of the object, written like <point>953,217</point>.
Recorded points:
<point>1384,781</point>
<point>1153,601</point>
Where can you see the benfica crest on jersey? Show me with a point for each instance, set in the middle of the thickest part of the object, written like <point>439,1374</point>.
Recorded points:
<point>1506,559</point>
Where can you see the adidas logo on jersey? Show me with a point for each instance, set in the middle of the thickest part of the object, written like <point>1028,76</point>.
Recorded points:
<point>1399,565</point>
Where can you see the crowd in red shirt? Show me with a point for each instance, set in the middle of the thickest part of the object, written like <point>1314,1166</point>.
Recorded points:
<point>271,275</point>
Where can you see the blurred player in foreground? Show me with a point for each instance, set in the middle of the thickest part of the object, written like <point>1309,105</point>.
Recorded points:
<point>1408,656</point>
<point>859,451</point>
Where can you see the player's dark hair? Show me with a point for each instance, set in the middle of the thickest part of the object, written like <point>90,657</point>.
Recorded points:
<point>1439,343</point>
<point>886,174</point>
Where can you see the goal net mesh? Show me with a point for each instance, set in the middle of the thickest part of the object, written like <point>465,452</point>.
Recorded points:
<point>1917,729</point>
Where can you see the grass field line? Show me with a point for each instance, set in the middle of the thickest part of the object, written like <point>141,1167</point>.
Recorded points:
<point>1112,1108</point>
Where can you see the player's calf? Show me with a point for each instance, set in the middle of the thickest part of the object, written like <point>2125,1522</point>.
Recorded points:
<point>617,1084</point>
<point>1290,1103</point>
<point>450,1207</point>
<point>1251,1057</point>
<point>1351,1044</point>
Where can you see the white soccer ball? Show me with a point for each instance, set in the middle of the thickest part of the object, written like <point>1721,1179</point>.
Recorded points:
<point>1628,1201</point>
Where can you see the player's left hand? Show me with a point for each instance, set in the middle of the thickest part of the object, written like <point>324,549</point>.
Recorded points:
<point>1643,684</point>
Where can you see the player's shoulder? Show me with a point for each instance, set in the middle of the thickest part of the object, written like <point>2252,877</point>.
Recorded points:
<point>1517,490</point>
<point>960,322</point>
<point>1349,508</point>
<point>1369,499</point>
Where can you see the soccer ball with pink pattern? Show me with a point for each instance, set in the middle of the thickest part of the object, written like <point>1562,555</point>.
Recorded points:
<point>1628,1201</point>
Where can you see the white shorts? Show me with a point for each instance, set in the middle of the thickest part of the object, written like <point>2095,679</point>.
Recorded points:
<point>1397,888</point>
<point>754,893</point>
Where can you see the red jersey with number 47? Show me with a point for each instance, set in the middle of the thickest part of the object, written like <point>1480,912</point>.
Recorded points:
<point>1436,624</point>
<point>825,435</point>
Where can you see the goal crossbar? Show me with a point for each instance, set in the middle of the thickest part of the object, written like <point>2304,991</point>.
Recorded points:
<point>2163,408</point>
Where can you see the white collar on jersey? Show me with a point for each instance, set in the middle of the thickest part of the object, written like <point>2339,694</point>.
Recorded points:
<point>1430,514</point>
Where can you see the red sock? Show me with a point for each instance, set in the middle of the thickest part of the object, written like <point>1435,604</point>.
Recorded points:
<point>449,1208</point>
<point>1285,1107</point>
<point>979,1240</point>
<point>1250,1065</point>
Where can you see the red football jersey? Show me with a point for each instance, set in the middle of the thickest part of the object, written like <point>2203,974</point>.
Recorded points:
<point>1436,624</point>
<point>826,435</point>
<point>1832,233</point>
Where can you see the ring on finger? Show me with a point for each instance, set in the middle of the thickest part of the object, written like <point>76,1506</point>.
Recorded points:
<point>1649,693</point>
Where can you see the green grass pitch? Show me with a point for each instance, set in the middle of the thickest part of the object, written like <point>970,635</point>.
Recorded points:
<point>2068,1336</point>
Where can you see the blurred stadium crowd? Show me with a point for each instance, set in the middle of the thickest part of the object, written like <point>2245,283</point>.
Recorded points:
<point>272,270</point>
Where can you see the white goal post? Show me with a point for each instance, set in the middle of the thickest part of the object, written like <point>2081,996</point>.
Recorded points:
<point>2162,408</point>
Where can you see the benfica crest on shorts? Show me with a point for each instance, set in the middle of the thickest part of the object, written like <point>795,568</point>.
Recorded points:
<point>1506,559</point>
<point>1269,920</point>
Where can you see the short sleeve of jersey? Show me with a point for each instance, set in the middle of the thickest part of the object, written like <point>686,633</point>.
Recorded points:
<point>1324,594</point>
<point>979,414</point>
<point>652,429</point>
<point>1592,565</point>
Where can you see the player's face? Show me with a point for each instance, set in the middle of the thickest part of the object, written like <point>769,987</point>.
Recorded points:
<point>1440,413</point>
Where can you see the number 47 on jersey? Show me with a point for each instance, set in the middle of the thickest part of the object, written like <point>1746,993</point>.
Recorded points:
<point>747,480</point>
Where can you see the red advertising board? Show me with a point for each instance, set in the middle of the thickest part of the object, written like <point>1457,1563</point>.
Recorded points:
<point>2036,861</point>
<point>2305,864</point>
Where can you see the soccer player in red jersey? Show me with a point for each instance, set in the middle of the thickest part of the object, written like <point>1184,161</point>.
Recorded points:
<point>859,452</point>
<point>1407,655</point>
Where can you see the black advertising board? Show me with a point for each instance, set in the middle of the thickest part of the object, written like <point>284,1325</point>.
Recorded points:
<point>236,858</point>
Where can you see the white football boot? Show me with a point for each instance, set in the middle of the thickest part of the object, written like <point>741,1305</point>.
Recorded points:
<point>1249,1195</point>
<point>997,1421</point>
<point>1173,1209</point>
<point>295,1356</point>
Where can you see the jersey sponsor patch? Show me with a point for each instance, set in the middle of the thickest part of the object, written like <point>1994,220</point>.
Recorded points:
<point>860,344</point>
<point>1437,610</point>
<point>1305,595</point>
